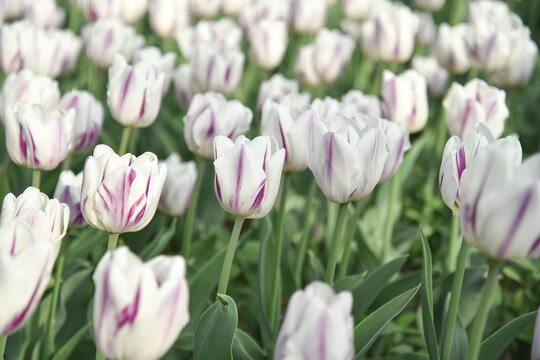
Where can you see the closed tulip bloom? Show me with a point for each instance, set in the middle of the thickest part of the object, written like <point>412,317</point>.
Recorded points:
<point>264,10</point>
<point>357,9</point>
<point>304,65</point>
<point>333,51</point>
<point>45,14</point>
<point>210,115</point>
<point>450,48</point>
<point>496,11</point>
<point>317,325</point>
<point>475,102</point>
<point>356,102</point>
<point>36,138</point>
<point>134,92</point>
<point>167,17</point>
<point>164,62</point>
<point>352,28</point>
<point>88,118</point>
<point>11,9</point>
<point>204,8</point>
<point>129,11</point>
<point>108,37</point>
<point>183,89</point>
<point>308,15</point>
<point>267,43</point>
<point>248,173</point>
<point>429,5</point>
<point>426,28</point>
<point>346,160</point>
<point>275,88</point>
<point>457,155</point>
<point>436,76</point>
<point>397,142</point>
<point>326,108</point>
<point>68,191</point>
<point>404,99</point>
<point>139,308</point>
<point>234,7</point>
<point>121,194</point>
<point>133,10</point>
<point>181,177</point>
<point>488,46</point>
<point>14,39</point>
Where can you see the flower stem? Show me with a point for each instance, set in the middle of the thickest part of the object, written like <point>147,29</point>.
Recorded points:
<point>124,140</point>
<point>336,242</point>
<point>49,335</point>
<point>229,256</point>
<point>451,260</point>
<point>67,162</point>
<point>113,240</point>
<point>190,217</point>
<point>342,270</point>
<point>36,177</point>
<point>483,311</point>
<point>455,296</point>
<point>99,355</point>
<point>3,341</point>
<point>389,225</point>
<point>305,234</point>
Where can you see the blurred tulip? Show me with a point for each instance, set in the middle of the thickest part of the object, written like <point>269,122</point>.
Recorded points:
<point>183,89</point>
<point>429,5</point>
<point>488,46</point>
<point>276,88</point>
<point>404,99</point>
<point>305,66</point>
<point>351,28</point>
<point>163,62</point>
<point>88,118</point>
<point>204,8</point>
<point>264,10</point>
<point>139,308</point>
<point>248,174</point>
<point>356,102</point>
<point>167,17</point>
<point>475,102</point>
<point>134,92</point>
<point>181,177</point>
<point>10,9</point>
<point>496,12</point>
<point>68,191</point>
<point>426,28</point>
<point>326,108</point>
<point>308,15</point>
<point>13,37</point>
<point>129,11</point>
<point>357,9</point>
<point>234,7</point>
<point>450,48</point>
<point>267,43</point>
<point>45,14</point>
<point>210,115</point>
<point>436,76</point>
<point>317,313</point>
<point>121,194</point>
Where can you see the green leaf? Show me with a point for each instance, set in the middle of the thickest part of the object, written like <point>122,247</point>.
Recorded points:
<point>460,344</point>
<point>265,281</point>
<point>427,300</point>
<point>245,347</point>
<point>315,266</point>
<point>215,331</point>
<point>67,289</point>
<point>368,330</point>
<point>65,351</point>
<point>348,283</point>
<point>494,345</point>
<point>158,244</point>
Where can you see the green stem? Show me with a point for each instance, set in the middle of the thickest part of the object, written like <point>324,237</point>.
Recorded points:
<point>113,240</point>
<point>342,270</point>
<point>67,162</point>
<point>473,74</point>
<point>456,11</point>
<point>483,310</point>
<point>124,141</point>
<point>362,76</point>
<point>336,242</point>
<point>99,355</point>
<point>441,134</point>
<point>455,296</point>
<point>305,233</point>
<point>229,256</point>
<point>49,334</point>
<point>3,341</point>
<point>454,242</point>
<point>389,225</point>
<point>190,217</point>
<point>36,177</point>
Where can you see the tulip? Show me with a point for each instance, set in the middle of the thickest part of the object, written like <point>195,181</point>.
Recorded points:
<point>275,88</point>
<point>489,47</point>
<point>268,42</point>
<point>121,194</point>
<point>317,313</point>
<point>45,14</point>
<point>410,107</point>
<point>305,66</point>
<point>167,17</point>
<point>134,92</point>
<point>357,9</point>
<point>108,37</point>
<point>234,7</point>
<point>497,12</point>
<point>346,161</point>
<point>15,39</point>
<point>326,108</point>
<point>88,118</point>
<point>248,173</point>
<point>475,102</point>
<point>181,177</point>
<point>204,8</point>
<point>436,76</point>
<point>163,62</point>
<point>426,28</point>
<point>133,10</point>
<point>68,191</point>
<point>450,48</point>
<point>139,308</point>
<point>264,10</point>
<point>456,157</point>
<point>11,9</point>
<point>351,28</point>
<point>429,5</point>
<point>356,102</point>
<point>129,11</point>
<point>308,15</point>
<point>183,89</point>
<point>35,138</point>
<point>210,115</point>
<point>535,350</point>
<point>397,143</point>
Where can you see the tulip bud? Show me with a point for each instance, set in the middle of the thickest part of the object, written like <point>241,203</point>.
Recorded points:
<point>13,37</point>
<point>305,66</point>
<point>333,51</point>
<point>317,313</point>
<point>275,88</point>
<point>268,42</point>
<point>210,115</point>
<point>45,14</point>
<point>68,191</point>
<point>176,194</point>
<point>108,37</point>
<point>11,9</point>
<point>133,10</point>
<point>346,161</point>
<point>134,92</point>
<point>326,108</point>
<point>204,8</point>
<point>183,89</point>
<point>475,102</point>
<point>429,5</point>
<point>355,102</point>
<point>410,107</point>
<point>139,308</point>
<point>38,139</point>
<point>248,174</point>
<point>426,28</point>
<point>497,12</point>
<point>450,48</point>
<point>397,143</point>
<point>167,17</point>
<point>129,11</point>
<point>163,62</point>
<point>264,10</point>
<point>88,119</point>
<point>234,7</point>
<point>308,15</point>
<point>357,9</point>
<point>436,76</point>
<point>121,194</point>
<point>488,47</point>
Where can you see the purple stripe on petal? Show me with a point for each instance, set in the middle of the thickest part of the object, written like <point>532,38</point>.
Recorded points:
<point>516,223</point>
<point>125,89</point>
<point>260,197</point>
<point>461,161</point>
<point>129,312</point>
<point>239,175</point>
<point>534,246</point>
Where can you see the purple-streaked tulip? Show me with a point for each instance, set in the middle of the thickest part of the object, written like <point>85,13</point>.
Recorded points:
<point>248,174</point>
<point>45,14</point>
<point>326,108</point>
<point>15,39</point>
<point>47,219</point>
<point>450,48</point>
<point>210,115</point>
<point>357,9</point>
<point>139,308</point>
<point>164,62</point>
<point>129,11</point>
<point>356,102</point>
<point>88,118</point>
<point>475,102</point>
<point>167,17</point>
<point>436,76</point>
<point>289,122</point>
<point>497,12</point>
<point>429,5</point>
<point>108,37</point>
<point>352,28</point>
<point>488,46</point>
<point>214,69</point>
<point>234,7</point>
<point>308,15</point>
<point>276,88</point>
<point>183,89</point>
<point>426,28</point>
<point>134,92</point>
<point>535,350</point>
<point>11,9</point>
<point>37,138</point>
<point>68,191</point>
<point>457,155</point>
<point>121,193</point>
<point>267,43</point>
<point>204,8</point>
<point>264,9</point>
<point>347,161</point>
<point>317,313</point>
<point>305,66</point>
<point>404,99</point>
<point>176,194</point>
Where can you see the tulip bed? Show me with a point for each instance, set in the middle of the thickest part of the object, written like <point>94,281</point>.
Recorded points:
<point>286,179</point>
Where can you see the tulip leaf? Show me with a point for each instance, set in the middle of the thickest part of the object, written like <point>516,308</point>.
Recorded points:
<point>264,275</point>
<point>369,329</point>
<point>348,283</point>
<point>494,345</point>
<point>65,351</point>
<point>67,289</point>
<point>246,348</point>
<point>215,331</point>
<point>427,300</point>
<point>460,342</point>
<point>158,244</point>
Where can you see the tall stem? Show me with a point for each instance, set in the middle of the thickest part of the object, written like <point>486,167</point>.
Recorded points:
<point>3,340</point>
<point>454,243</point>
<point>36,177</point>
<point>389,225</point>
<point>229,256</point>
<point>455,296</point>
<point>124,140</point>
<point>305,233</point>
<point>49,334</point>
<point>483,311</point>
<point>99,355</point>
<point>67,162</point>
<point>113,240</point>
<point>336,242</point>
<point>190,217</point>
<point>342,270</point>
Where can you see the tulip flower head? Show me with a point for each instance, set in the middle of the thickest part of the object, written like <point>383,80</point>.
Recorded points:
<point>128,11</point>
<point>163,62</point>
<point>436,76</point>
<point>168,17</point>
<point>268,41</point>
<point>204,8</point>
<point>357,9</point>
<point>308,15</point>
<point>178,187</point>
<point>355,102</point>
<point>429,5</point>
<point>234,7</point>
<point>276,88</point>
<point>183,89</point>
<point>45,14</point>
<point>264,10</point>
<point>450,48</point>
<point>68,191</point>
